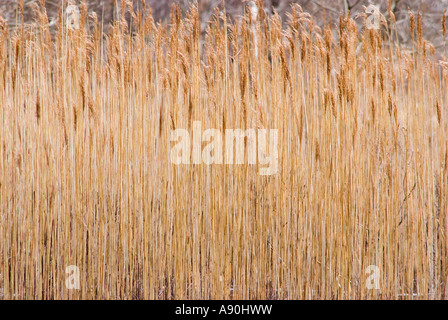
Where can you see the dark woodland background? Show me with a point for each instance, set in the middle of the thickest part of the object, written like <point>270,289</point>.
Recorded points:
<point>323,11</point>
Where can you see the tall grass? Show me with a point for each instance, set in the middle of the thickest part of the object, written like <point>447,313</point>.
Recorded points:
<point>85,176</point>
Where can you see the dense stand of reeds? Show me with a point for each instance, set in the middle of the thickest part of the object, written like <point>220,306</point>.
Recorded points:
<point>86,178</point>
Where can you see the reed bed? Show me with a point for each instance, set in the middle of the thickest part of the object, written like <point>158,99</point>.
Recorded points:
<point>86,178</point>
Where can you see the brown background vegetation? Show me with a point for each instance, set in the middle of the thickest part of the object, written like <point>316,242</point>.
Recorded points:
<point>323,11</point>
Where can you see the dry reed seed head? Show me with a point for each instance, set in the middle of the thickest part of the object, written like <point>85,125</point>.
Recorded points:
<point>291,43</point>
<point>248,15</point>
<point>392,17</point>
<point>3,27</point>
<point>75,116</point>
<point>184,63</point>
<point>83,14</point>
<point>173,18</point>
<point>438,110</point>
<point>285,69</point>
<point>390,104</point>
<point>327,99</point>
<point>444,23</point>
<point>293,18</point>
<point>21,8</point>
<point>122,9</point>
<point>420,28</point>
<point>341,23</point>
<point>130,5</point>
<point>275,29</point>
<point>333,105</point>
<point>373,109</point>
<point>303,47</point>
<point>149,23</point>
<point>328,38</point>
<point>38,111</point>
<point>412,23</point>
<point>193,19</point>
<point>316,150</point>
<point>178,15</point>
<point>431,47</point>
<point>381,76</point>
<point>261,10</point>
<point>243,79</point>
